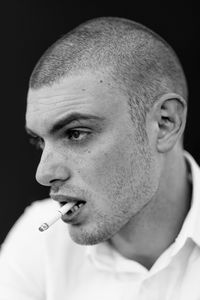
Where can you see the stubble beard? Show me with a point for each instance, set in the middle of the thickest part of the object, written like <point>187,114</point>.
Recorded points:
<point>102,226</point>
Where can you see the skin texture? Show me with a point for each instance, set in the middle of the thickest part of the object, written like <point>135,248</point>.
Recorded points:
<point>124,182</point>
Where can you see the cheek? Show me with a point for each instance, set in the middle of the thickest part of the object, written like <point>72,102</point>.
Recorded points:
<point>122,177</point>
<point>110,173</point>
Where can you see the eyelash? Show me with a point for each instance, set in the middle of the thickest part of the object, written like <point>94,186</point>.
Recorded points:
<point>39,142</point>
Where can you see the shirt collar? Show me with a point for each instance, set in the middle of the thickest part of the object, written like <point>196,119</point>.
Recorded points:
<point>191,225</point>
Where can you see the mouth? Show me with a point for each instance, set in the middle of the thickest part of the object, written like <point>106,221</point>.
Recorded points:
<point>74,211</point>
<point>77,206</point>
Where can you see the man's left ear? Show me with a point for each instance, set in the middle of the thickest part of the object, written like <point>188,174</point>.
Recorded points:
<point>170,111</point>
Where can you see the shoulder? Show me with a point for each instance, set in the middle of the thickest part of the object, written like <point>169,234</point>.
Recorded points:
<point>22,255</point>
<point>27,253</point>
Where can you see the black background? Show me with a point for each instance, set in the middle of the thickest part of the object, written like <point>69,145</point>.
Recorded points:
<point>27,28</point>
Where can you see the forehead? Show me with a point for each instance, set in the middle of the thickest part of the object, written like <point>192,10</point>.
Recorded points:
<point>84,94</point>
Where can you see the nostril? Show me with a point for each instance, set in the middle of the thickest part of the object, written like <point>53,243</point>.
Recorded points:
<point>52,181</point>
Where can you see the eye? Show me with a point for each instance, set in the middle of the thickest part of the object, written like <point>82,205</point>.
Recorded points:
<point>77,134</point>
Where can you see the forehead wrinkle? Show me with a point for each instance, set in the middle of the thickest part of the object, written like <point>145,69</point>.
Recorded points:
<point>71,91</point>
<point>53,107</point>
<point>57,96</point>
<point>58,103</point>
<point>65,98</point>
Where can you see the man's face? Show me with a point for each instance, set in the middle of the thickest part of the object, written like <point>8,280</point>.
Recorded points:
<point>90,152</point>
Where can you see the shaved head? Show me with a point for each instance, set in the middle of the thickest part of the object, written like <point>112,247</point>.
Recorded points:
<point>137,60</point>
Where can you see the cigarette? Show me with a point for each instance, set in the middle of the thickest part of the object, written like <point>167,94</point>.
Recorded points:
<point>63,210</point>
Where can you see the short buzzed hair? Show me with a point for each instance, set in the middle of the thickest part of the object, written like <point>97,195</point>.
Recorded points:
<point>136,59</point>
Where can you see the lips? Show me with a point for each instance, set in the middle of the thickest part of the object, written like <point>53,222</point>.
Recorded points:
<point>62,199</point>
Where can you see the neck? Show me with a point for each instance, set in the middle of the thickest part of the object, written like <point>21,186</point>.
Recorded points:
<point>156,227</point>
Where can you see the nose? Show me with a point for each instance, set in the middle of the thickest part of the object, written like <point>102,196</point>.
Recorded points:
<point>52,168</point>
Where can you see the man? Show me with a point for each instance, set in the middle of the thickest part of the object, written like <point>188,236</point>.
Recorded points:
<point>107,106</point>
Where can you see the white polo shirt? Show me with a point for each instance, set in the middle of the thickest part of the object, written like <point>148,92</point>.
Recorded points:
<point>49,266</point>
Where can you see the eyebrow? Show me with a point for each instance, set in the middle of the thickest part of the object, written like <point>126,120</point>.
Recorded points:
<point>66,121</point>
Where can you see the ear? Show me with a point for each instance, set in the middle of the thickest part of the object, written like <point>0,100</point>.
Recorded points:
<point>170,111</point>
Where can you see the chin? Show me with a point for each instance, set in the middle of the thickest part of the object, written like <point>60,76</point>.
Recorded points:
<point>89,238</point>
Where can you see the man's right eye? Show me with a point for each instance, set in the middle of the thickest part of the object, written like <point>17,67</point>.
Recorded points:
<point>37,142</point>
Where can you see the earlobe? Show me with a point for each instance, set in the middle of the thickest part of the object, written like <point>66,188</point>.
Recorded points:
<point>171,119</point>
